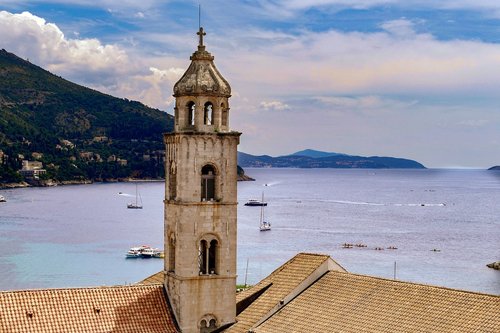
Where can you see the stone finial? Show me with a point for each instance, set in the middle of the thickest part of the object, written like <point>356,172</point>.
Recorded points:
<point>201,33</point>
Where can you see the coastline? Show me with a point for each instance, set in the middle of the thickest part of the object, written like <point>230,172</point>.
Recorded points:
<point>51,183</point>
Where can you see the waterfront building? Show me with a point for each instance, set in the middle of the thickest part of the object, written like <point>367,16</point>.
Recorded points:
<point>32,169</point>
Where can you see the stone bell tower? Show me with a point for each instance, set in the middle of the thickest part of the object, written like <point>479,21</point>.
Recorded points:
<point>200,199</point>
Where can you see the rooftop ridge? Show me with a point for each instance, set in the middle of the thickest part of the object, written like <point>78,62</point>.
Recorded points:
<point>134,285</point>
<point>297,256</point>
<point>370,277</point>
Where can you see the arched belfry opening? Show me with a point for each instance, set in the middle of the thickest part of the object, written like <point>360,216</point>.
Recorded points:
<point>191,113</point>
<point>208,253</point>
<point>208,324</point>
<point>201,199</point>
<point>208,177</point>
<point>208,115</point>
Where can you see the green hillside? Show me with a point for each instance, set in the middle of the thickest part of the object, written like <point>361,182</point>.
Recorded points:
<point>76,132</point>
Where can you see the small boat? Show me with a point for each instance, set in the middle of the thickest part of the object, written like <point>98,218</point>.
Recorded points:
<point>264,225</point>
<point>2,198</point>
<point>138,200</point>
<point>255,202</point>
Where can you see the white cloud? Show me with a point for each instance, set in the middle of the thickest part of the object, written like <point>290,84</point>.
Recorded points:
<point>401,27</point>
<point>364,103</point>
<point>274,105</point>
<point>44,43</point>
<point>366,63</point>
<point>105,67</point>
<point>140,15</point>
<point>363,4</point>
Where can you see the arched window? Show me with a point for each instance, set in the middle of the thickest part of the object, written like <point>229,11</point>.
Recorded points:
<point>208,114</point>
<point>207,256</point>
<point>212,256</point>
<point>191,112</point>
<point>203,257</point>
<point>224,114</point>
<point>207,183</point>
<point>208,325</point>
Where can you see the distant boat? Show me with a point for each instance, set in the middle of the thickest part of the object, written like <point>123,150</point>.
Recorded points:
<point>264,225</point>
<point>255,202</point>
<point>144,251</point>
<point>2,198</point>
<point>138,200</point>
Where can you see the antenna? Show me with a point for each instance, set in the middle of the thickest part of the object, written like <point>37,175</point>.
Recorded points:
<point>199,15</point>
<point>246,274</point>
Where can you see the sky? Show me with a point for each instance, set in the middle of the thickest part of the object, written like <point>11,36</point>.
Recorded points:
<point>418,79</point>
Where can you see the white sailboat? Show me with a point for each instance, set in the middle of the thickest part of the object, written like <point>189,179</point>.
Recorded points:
<point>264,225</point>
<point>138,200</point>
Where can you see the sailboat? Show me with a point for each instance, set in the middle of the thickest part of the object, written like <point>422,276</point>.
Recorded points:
<point>138,201</point>
<point>264,225</point>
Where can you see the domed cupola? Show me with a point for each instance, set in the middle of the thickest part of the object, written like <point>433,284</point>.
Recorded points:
<point>202,95</point>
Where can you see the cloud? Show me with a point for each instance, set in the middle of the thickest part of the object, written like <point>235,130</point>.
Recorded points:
<point>358,63</point>
<point>364,4</point>
<point>274,105</point>
<point>401,27</point>
<point>106,67</point>
<point>44,43</point>
<point>364,103</point>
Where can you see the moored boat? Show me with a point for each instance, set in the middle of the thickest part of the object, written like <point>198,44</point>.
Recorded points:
<point>2,198</point>
<point>264,225</point>
<point>138,200</point>
<point>255,202</point>
<point>144,251</point>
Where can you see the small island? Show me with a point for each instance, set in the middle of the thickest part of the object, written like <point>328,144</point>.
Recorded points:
<point>496,167</point>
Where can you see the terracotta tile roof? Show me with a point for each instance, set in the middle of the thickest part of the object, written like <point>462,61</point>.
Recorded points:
<point>157,278</point>
<point>121,309</point>
<point>344,302</point>
<point>279,284</point>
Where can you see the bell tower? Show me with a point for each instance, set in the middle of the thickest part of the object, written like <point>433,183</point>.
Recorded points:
<point>200,199</point>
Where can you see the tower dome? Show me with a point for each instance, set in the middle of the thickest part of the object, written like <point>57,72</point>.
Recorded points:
<point>202,77</point>
<point>202,95</point>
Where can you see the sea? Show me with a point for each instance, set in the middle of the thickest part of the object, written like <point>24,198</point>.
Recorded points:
<point>443,223</point>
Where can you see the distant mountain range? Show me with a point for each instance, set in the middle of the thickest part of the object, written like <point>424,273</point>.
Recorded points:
<point>318,159</point>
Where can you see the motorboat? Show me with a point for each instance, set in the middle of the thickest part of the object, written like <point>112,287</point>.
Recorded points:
<point>2,198</point>
<point>144,251</point>
<point>255,202</point>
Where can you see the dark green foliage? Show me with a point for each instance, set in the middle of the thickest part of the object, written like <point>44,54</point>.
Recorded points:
<point>38,110</point>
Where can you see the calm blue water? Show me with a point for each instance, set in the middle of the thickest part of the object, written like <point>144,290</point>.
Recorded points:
<point>76,236</point>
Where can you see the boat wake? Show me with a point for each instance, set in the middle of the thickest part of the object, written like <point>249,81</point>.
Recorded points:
<point>125,194</point>
<point>345,202</point>
<point>271,184</point>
